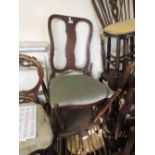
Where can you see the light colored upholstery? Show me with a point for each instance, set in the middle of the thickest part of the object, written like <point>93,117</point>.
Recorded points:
<point>77,90</point>
<point>44,133</point>
<point>121,28</point>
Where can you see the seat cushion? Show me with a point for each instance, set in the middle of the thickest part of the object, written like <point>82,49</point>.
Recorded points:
<point>121,28</point>
<point>44,133</point>
<point>77,90</point>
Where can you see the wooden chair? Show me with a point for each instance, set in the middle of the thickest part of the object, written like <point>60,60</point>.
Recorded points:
<point>73,98</point>
<point>44,136</point>
<point>117,20</point>
<point>116,118</point>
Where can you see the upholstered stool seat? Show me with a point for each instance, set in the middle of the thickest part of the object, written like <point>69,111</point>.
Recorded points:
<point>75,90</point>
<point>44,133</point>
<point>120,28</point>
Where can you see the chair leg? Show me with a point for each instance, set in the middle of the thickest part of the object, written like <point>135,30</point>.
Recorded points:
<point>117,62</point>
<point>125,52</point>
<point>108,53</point>
<point>103,54</point>
<point>132,47</point>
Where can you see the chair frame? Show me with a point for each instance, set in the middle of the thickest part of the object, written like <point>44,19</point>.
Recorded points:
<point>71,23</point>
<point>58,123</point>
<point>129,69</point>
<point>32,94</point>
<point>108,15</point>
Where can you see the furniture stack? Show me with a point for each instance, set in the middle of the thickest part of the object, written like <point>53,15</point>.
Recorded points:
<point>83,115</point>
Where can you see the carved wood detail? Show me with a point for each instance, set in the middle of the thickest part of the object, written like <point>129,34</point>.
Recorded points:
<point>32,94</point>
<point>114,9</point>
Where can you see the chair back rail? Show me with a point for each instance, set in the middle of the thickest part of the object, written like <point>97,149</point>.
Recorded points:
<point>71,23</point>
<point>32,94</point>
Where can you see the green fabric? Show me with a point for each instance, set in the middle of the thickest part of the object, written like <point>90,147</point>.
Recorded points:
<point>44,133</point>
<point>77,90</point>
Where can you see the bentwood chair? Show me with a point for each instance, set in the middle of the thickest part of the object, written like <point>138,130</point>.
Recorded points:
<point>28,98</point>
<point>74,97</point>
<point>118,24</point>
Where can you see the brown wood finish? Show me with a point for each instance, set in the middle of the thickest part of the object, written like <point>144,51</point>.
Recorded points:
<point>129,100</point>
<point>71,41</point>
<point>32,94</point>
<point>109,12</point>
<point>124,80</point>
<point>129,144</point>
<point>69,120</point>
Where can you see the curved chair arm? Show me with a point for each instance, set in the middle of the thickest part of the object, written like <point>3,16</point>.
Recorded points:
<point>32,94</point>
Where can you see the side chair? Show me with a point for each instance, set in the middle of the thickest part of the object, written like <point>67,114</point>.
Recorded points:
<point>74,97</point>
<point>28,98</point>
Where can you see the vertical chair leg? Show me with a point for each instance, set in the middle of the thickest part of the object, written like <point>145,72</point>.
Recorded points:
<point>117,62</point>
<point>103,54</point>
<point>132,46</point>
<point>125,52</point>
<point>108,53</point>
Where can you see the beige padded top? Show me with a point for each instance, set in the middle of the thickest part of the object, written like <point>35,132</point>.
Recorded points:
<point>121,28</point>
<point>44,133</point>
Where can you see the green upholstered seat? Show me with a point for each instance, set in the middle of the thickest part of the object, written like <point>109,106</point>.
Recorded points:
<point>77,90</point>
<point>44,133</point>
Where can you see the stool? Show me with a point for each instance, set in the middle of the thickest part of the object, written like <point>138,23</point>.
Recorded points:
<point>117,20</point>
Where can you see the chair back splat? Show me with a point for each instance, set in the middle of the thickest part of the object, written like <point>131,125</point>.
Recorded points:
<point>71,23</point>
<point>111,11</point>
